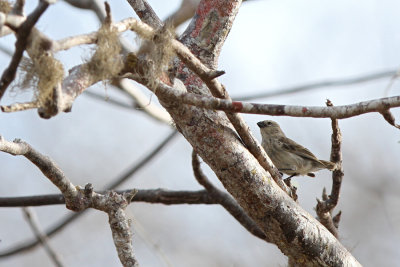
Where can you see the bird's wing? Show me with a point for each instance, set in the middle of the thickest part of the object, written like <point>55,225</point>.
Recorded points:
<point>291,146</point>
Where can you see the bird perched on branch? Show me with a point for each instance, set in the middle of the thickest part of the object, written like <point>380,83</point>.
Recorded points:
<point>287,155</point>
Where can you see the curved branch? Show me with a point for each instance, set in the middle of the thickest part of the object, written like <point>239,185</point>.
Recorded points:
<point>78,199</point>
<point>68,219</point>
<point>325,207</point>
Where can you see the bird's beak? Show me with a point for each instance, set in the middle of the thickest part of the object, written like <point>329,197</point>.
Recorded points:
<point>261,124</point>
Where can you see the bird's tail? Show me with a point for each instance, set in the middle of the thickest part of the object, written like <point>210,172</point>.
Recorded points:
<point>329,165</point>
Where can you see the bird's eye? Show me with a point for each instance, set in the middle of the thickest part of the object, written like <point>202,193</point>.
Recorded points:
<point>269,123</point>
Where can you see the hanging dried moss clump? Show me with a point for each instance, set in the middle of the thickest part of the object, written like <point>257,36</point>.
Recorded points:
<point>42,72</point>
<point>5,6</point>
<point>160,54</point>
<point>51,74</point>
<point>106,61</point>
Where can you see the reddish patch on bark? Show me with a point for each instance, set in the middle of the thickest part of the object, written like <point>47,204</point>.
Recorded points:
<point>223,7</point>
<point>304,110</point>
<point>193,80</point>
<point>237,106</point>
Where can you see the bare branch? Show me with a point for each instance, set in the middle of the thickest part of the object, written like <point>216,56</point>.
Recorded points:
<point>46,165</point>
<point>317,85</point>
<point>325,207</point>
<point>68,219</point>
<point>114,205</point>
<point>34,224</point>
<point>153,196</point>
<point>78,199</point>
<point>23,33</point>
<point>335,112</point>
<point>20,106</point>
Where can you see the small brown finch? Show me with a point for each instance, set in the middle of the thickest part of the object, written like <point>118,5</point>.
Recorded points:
<point>287,155</point>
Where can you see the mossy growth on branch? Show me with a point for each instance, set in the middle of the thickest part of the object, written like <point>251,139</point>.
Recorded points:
<point>160,54</point>
<point>41,71</point>
<point>5,6</point>
<point>106,61</point>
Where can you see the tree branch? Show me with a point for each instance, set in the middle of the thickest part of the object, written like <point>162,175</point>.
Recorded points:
<point>78,199</point>
<point>68,219</point>
<point>335,112</point>
<point>325,207</point>
<point>153,196</point>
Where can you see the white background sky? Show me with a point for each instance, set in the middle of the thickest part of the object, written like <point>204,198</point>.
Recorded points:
<point>272,44</point>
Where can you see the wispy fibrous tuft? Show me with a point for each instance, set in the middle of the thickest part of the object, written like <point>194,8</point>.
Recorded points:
<point>106,61</point>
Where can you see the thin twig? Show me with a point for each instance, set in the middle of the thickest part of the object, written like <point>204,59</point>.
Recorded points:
<point>23,33</point>
<point>20,106</point>
<point>317,85</point>
<point>34,224</point>
<point>46,165</point>
<point>226,200</point>
<point>325,207</point>
<point>70,218</point>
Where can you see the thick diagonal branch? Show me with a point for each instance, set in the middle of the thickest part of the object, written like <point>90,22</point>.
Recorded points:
<point>283,221</point>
